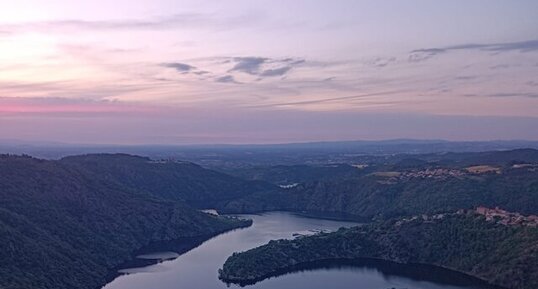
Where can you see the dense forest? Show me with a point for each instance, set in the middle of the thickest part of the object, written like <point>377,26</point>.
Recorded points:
<point>65,224</point>
<point>465,242</point>
<point>175,180</point>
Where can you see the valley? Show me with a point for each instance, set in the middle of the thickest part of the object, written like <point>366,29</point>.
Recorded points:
<point>76,221</point>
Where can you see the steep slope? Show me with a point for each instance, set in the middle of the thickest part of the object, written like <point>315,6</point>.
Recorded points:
<point>502,255</point>
<point>174,180</point>
<point>62,227</point>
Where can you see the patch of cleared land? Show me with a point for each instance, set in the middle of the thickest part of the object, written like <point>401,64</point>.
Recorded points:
<point>482,169</point>
<point>387,174</point>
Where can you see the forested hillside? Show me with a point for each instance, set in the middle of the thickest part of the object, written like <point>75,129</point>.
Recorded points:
<point>174,180</point>
<point>410,186</point>
<point>293,174</point>
<point>502,255</point>
<point>62,226</point>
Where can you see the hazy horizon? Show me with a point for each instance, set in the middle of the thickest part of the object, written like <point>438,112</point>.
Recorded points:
<point>8,142</point>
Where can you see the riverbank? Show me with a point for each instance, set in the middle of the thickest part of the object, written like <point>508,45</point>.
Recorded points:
<point>198,267</point>
<point>320,215</point>
<point>178,246</point>
<point>423,272</point>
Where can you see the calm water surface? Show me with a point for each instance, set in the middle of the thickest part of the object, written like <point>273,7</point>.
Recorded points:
<point>197,269</point>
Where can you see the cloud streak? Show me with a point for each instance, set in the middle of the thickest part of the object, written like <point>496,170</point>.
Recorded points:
<point>57,106</point>
<point>332,99</point>
<point>419,55</point>
<point>264,67</point>
<point>275,72</point>
<point>250,65</point>
<point>230,69</point>
<point>181,67</point>
<point>514,94</point>
<point>226,79</point>
<point>71,89</point>
<point>184,20</point>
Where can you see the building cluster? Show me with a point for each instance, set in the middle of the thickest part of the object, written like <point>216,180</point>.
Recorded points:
<point>289,186</point>
<point>529,167</point>
<point>497,215</point>
<point>437,173</point>
<point>434,173</point>
<point>507,218</point>
<point>425,218</point>
<point>430,173</point>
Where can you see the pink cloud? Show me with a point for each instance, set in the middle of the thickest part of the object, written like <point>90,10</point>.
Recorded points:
<point>64,106</point>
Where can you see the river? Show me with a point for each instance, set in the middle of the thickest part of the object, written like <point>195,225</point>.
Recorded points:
<point>197,268</point>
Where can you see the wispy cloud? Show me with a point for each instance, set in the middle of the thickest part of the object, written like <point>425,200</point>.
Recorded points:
<point>264,67</point>
<point>332,99</point>
<point>248,69</point>
<point>69,89</point>
<point>185,20</point>
<point>521,46</point>
<point>466,77</point>
<point>501,66</point>
<point>250,65</point>
<point>181,67</point>
<point>418,55</point>
<point>380,61</point>
<point>514,94</point>
<point>226,79</point>
<point>276,72</point>
<point>57,106</point>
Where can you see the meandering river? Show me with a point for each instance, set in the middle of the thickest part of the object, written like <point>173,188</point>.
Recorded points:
<point>197,268</point>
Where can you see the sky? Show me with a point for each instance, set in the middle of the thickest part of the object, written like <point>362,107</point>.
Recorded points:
<point>187,72</point>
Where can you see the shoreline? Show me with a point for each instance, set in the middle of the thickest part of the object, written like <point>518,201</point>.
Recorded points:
<point>329,216</point>
<point>179,246</point>
<point>386,267</point>
<point>410,242</point>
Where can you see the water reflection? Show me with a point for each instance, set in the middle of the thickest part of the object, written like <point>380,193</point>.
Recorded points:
<point>389,270</point>
<point>197,268</point>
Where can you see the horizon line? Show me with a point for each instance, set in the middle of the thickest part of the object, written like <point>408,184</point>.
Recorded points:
<point>13,142</point>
